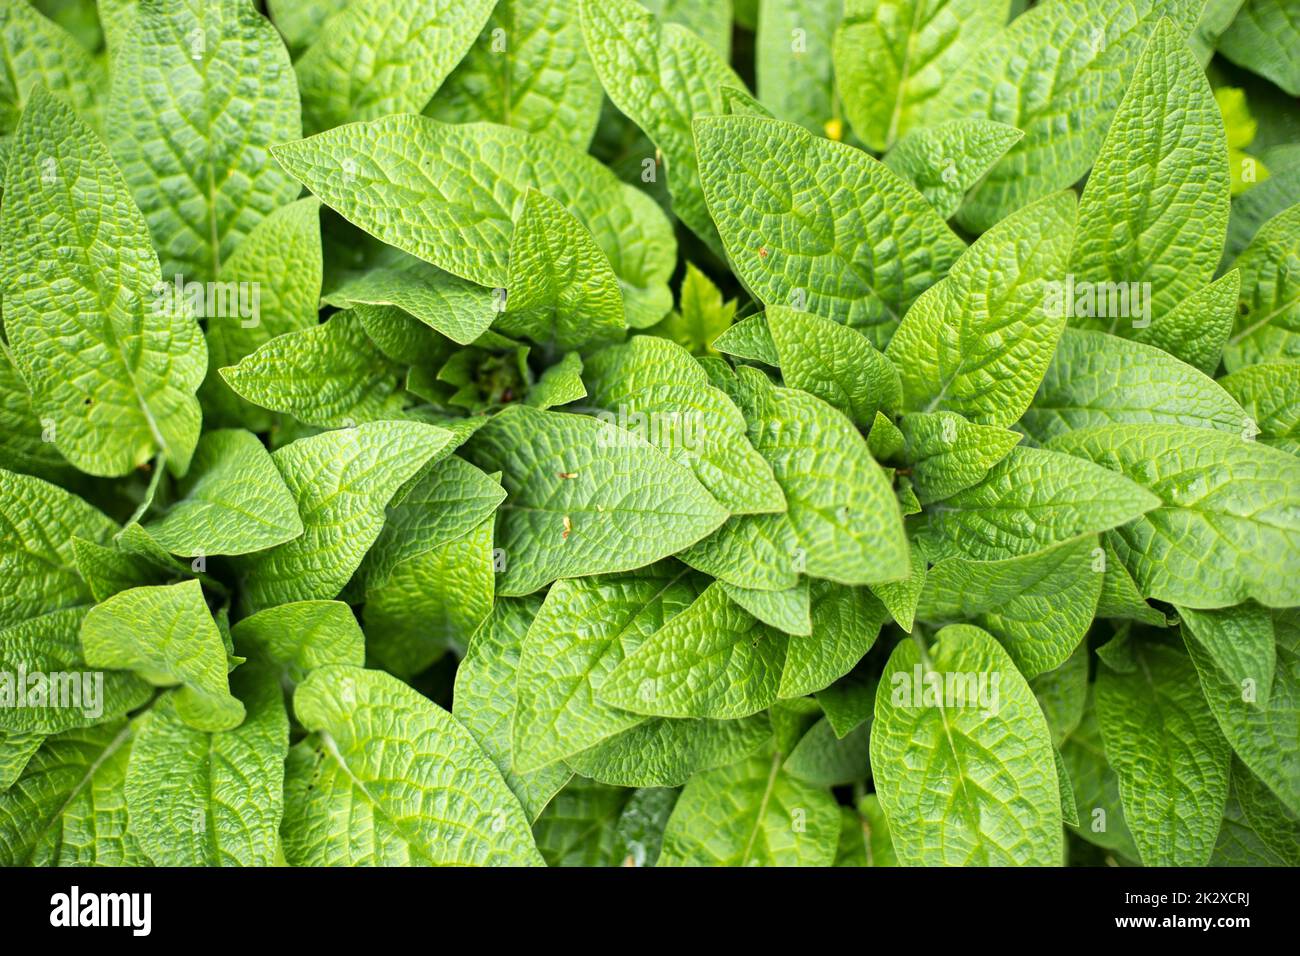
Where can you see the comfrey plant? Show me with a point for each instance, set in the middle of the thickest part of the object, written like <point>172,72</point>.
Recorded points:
<point>429,462</point>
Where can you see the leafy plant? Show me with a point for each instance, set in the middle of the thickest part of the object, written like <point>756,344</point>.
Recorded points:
<point>488,433</point>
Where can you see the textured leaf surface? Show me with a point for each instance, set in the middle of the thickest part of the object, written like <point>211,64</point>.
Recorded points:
<point>39,53</point>
<point>115,375</point>
<point>807,222</point>
<point>1268,320</point>
<point>667,752</point>
<point>793,68</point>
<point>585,497</point>
<point>845,624</point>
<point>1270,395</point>
<point>1263,38</point>
<point>946,160</point>
<point>963,783</point>
<point>387,777</point>
<point>948,454</point>
<point>297,638</point>
<point>1227,517</point>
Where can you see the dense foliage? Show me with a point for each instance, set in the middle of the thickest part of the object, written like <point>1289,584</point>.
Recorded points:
<point>458,432</point>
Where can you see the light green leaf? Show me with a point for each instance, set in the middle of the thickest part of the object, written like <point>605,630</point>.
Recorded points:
<point>1058,72</point>
<point>1096,788</point>
<point>792,61</point>
<point>849,701</point>
<point>299,637</point>
<point>388,56</point>
<point>701,315</point>
<point>1270,395</point>
<point>585,497</point>
<point>820,225</point>
<point>645,815</point>
<point>967,348</point>
<point>485,698</point>
<point>1062,693</point>
<point>201,90</point>
<point>837,364</point>
<point>23,444</point>
<point>528,69</point>
<point>328,375</point>
<point>1034,499</point>
<point>1120,597</point>
<point>1257,830</point>
<point>845,624</point>
<point>299,21</point>
<point>1268,320</point>
<point>68,807</point>
<point>710,19</point>
<point>1239,643</point>
<point>843,522</point>
<point>654,389</point>
<point>825,760</point>
<point>113,373</point>
<point>391,176</point>
<point>580,826</point>
<point>561,384</point>
<point>748,814</point>
<point>964,780</point>
<point>1263,38</point>
<point>1155,211</point>
<point>749,339</point>
<point>15,751</point>
<point>1100,379</point>
<point>892,57</point>
<point>661,76</point>
<point>342,481</point>
<point>232,501</point>
<point>167,636</point>
<point>947,160</point>
<point>900,597</point>
<point>1228,514</point>
<point>563,293</point>
<point>211,799</point>
<point>711,660</point>
<point>38,522</point>
<point>948,454</point>
<point>667,752</point>
<point>387,778</point>
<point>41,54</point>
<point>787,610</point>
<point>880,846</point>
<point>1170,757</point>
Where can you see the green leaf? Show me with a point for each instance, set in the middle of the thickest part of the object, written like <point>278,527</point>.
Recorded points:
<point>1270,395</point>
<point>1268,320</point>
<point>837,364</point>
<point>900,597</point>
<point>849,701</point>
<point>211,799</point>
<point>1257,830</point>
<point>1227,517</point>
<point>1120,597</point>
<point>826,760</point>
<point>1096,788</point>
<point>299,637</point>
<point>971,774</point>
<point>749,339</point>
<point>528,68</point>
<point>342,481</point>
<point>167,636</point>
<point>711,660</point>
<point>68,807</point>
<point>386,777</point>
<point>661,76</point>
<point>38,522</point>
<point>328,375</point>
<point>880,846</point>
<point>1058,72</point>
<point>819,225</point>
<point>1239,643</point>
<point>15,751</point>
<point>389,56</point>
<point>279,264</point>
<point>1039,606</point>
<point>232,500</point>
<point>580,826</point>
<point>751,814</point>
<point>1033,499</point>
<point>947,160</point>
<point>114,374</point>
<point>1062,693</point>
<point>585,497</point>
<point>1171,759</point>
<point>451,306</point>
<point>390,177</point>
<point>1263,38</point>
<point>45,684</point>
<point>792,61</point>
<point>23,436</point>
<point>1100,379</point>
<point>710,19</point>
<point>485,697</point>
<point>963,348</point>
<point>843,523</point>
<point>892,57</point>
<point>787,610</point>
<point>666,752</point>
<point>561,384</point>
<point>1263,728</point>
<point>1264,200</point>
<point>201,91</point>
<point>299,21</point>
<point>563,293</point>
<point>701,316</point>
<point>948,454</point>
<point>39,54</point>
<point>655,390</point>
<point>845,624</point>
<point>1154,214</point>
<point>645,815</point>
